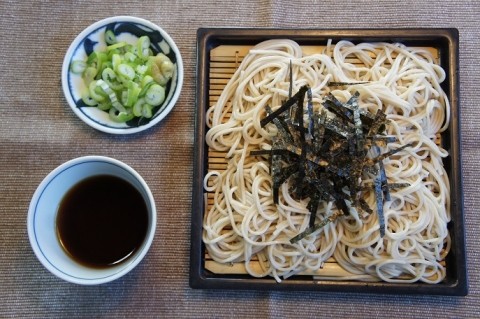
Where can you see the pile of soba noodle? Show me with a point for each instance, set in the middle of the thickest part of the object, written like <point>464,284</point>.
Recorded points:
<point>244,224</point>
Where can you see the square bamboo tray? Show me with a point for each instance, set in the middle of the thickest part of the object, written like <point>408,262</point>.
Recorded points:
<point>220,51</point>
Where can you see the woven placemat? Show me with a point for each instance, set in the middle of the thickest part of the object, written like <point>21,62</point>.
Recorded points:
<point>38,132</point>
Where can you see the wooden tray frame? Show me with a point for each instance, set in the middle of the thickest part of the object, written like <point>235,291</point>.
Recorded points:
<point>209,42</point>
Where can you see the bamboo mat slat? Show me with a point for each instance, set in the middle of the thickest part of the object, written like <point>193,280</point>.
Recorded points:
<point>329,269</point>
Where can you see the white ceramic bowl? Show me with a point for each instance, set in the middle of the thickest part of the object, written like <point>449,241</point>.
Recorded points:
<point>41,222</point>
<point>127,29</point>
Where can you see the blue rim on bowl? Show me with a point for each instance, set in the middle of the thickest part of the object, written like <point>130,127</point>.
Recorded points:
<point>128,29</point>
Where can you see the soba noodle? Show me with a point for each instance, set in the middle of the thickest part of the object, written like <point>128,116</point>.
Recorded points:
<point>244,224</point>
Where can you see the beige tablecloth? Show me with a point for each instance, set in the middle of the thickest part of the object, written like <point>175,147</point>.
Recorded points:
<point>38,131</point>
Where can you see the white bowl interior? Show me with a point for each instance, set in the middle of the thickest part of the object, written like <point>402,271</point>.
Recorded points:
<point>73,85</point>
<point>43,211</point>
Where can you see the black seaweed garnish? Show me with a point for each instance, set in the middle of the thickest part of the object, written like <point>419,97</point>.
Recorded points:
<point>324,155</point>
<point>332,83</point>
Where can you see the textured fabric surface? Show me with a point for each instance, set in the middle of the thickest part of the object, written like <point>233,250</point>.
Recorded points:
<point>38,132</point>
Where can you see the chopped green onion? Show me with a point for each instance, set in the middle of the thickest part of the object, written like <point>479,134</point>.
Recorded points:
<point>110,77</point>
<point>133,92</point>
<point>143,45</point>
<point>88,100</point>
<point>167,69</point>
<point>95,93</point>
<point>130,57</point>
<point>78,67</point>
<point>89,75</point>
<point>164,64</point>
<point>116,61</point>
<point>146,79</point>
<point>120,116</point>
<point>146,87</point>
<point>116,46</point>
<point>155,95</point>
<point>156,73</point>
<point>105,106</point>
<point>137,107</point>
<point>147,110</point>
<point>126,71</point>
<point>110,37</point>
<point>124,80</point>
<point>141,69</point>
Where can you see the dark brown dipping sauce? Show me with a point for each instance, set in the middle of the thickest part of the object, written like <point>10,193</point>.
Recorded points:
<point>102,221</point>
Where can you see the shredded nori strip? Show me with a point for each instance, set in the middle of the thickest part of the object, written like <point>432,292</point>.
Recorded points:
<point>325,157</point>
<point>370,162</point>
<point>383,178</point>
<point>344,83</point>
<point>290,87</point>
<point>281,126</point>
<point>309,135</point>
<point>312,208</point>
<point>287,105</point>
<point>316,227</point>
<point>379,199</point>
<point>364,205</point>
<point>366,187</point>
